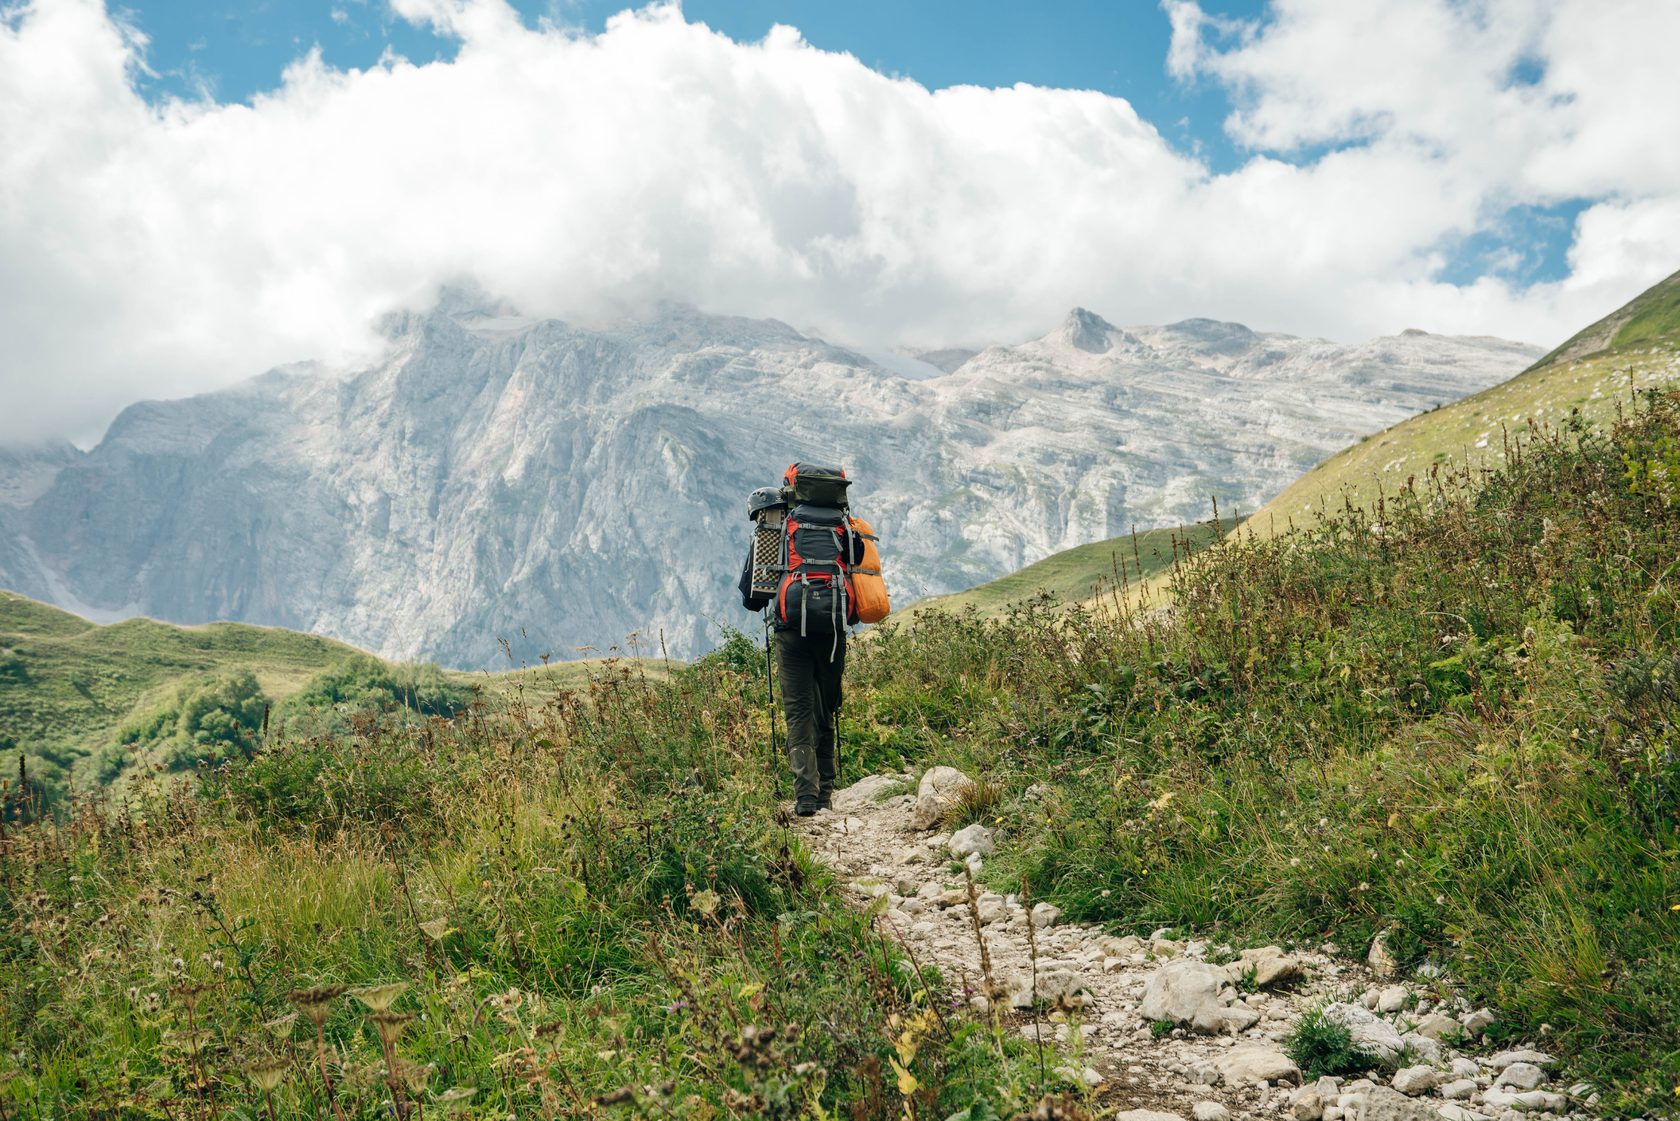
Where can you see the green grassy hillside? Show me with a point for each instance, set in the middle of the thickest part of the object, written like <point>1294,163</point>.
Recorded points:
<point>1077,575</point>
<point>1594,374</point>
<point>67,686</point>
<point>83,703</point>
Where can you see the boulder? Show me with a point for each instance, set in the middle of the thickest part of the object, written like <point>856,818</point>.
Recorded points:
<point>1477,1022</point>
<point>1248,1063</point>
<point>974,838</point>
<point>1521,1076</point>
<point>1211,1111</point>
<point>1183,990</point>
<point>1368,1031</point>
<point>938,792</point>
<point>1459,1089</point>
<point>1526,1055</point>
<point>1413,1081</point>
<point>864,793</point>
<point>1383,1104</point>
<point>1392,999</point>
<point>1437,1027</point>
<point>1382,962</point>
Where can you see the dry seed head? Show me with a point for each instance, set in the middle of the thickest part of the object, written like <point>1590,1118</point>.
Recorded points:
<point>457,1096</point>
<point>268,1074</point>
<point>437,929</point>
<point>414,1076</point>
<point>389,1024</point>
<point>316,1003</point>
<point>188,994</point>
<point>379,998</point>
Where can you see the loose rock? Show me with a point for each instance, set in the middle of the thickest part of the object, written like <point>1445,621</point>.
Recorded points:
<point>971,839</point>
<point>1248,1063</point>
<point>1413,1081</point>
<point>1521,1076</point>
<point>938,792</point>
<point>1374,1035</point>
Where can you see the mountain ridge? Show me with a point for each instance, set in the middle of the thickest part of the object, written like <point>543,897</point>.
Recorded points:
<point>496,476</point>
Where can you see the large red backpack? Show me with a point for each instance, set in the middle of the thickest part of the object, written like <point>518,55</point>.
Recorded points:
<point>815,594</point>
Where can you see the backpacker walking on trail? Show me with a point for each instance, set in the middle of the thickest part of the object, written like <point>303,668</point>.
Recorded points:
<point>813,570</point>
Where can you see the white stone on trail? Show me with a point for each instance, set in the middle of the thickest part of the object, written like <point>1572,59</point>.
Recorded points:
<point>1368,1031</point>
<point>1507,1058</point>
<point>1382,962</point>
<point>1248,1063</point>
<point>1382,1104</point>
<point>1392,999</point>
<point>1477,1022</point>
<point>1046,914</point>
<point>1436,1026</point>
<point>864,793</point>
<point>938,792</point>
<point>1459,1089</point>
<point>1521,1076</point>
<point>1097,992</point>
<point>974,838</point>
<point>1417,1080</point>
<point>1184,992</point>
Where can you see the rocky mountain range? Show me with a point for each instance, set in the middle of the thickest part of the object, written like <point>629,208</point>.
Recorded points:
<point>496,477</point>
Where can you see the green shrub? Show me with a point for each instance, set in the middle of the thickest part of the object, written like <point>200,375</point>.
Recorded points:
<point>1321,1046</point>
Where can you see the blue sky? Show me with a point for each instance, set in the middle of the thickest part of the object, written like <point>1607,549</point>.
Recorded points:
<point>238,49</point>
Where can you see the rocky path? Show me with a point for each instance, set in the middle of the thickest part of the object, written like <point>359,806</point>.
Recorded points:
<point>1164,1030</point>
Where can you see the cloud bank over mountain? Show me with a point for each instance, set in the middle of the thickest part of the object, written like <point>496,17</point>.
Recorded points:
<point>155,250</point>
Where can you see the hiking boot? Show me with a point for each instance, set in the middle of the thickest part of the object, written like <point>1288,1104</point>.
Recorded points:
<point>825,800</point>
<point>806,809</point>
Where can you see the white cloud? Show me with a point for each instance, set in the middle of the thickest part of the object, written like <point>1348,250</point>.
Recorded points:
<point>153,251</point>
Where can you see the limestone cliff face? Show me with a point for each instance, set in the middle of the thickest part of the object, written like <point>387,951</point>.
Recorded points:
<point>503,478</point>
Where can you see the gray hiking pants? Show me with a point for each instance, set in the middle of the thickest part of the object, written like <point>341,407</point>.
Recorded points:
<point>810,684</point>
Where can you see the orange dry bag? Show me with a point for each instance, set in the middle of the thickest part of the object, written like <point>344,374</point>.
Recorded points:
<point>869,591</point>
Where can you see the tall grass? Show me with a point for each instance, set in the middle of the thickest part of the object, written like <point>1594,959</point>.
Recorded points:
<point>583,900</point>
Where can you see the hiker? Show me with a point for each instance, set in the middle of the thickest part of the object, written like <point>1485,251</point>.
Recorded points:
<point>807,571</point>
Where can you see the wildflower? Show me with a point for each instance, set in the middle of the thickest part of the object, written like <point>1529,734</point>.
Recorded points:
<point>1363,886</point>
<point>379,998</point>
<point>1294,862</point>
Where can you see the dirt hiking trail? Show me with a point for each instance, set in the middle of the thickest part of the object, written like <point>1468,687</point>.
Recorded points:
<point>1157,1028</point>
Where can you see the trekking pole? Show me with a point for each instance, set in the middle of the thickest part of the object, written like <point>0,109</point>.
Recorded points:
<point>770,682</point>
